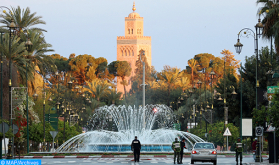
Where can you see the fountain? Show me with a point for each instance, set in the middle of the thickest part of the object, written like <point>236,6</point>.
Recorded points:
<point>114,128</point>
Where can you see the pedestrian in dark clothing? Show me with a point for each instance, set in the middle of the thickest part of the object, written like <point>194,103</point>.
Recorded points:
<point>182,145</point>
<point>176,146</point>
<point>135,147</point>
<point>238,151</point>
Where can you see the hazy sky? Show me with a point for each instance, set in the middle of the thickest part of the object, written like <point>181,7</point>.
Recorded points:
<point>179,29</point>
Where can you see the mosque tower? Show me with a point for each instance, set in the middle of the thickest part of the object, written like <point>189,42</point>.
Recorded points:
<point>128,46</point>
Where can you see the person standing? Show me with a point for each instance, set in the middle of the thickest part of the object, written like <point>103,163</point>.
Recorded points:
<point>182,145</point>
<point>176,146</point>
<point>238,151</point>
<point>135,147</point>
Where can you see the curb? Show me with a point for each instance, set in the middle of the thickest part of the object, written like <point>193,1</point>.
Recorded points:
<point>122,156</point>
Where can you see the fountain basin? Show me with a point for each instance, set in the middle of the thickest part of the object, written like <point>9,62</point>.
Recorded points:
<point>127,147</point>
<point>156,135</point>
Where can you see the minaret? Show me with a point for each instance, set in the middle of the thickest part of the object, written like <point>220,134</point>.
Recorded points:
<point>128,46</point>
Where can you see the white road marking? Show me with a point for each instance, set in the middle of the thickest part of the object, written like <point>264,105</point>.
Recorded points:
<point>71,161</point>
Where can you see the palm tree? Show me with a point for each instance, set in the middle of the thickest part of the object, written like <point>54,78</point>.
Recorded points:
<point>24,19</point>
<point>193,65</point>
<point>171,77</point>
<point>183,83</point>
<point>97,88</point>
<point>113,95</point>
<point>270,11</point>
<point>18,52</point>
<point>40,63</point>
<point>37,52</point>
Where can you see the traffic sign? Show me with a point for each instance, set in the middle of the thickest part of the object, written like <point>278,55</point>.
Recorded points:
<point>227,132</point>
<point>269,96</point>
<point>270,129</point>
<point>259,131</point>
<point>272,89</point>
<point>6,127</point>
<point>15,127</point>
<point>53,120</point>
<point>53,133</point>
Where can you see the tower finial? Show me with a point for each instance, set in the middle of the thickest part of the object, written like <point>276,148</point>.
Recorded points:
<point>134,8</point>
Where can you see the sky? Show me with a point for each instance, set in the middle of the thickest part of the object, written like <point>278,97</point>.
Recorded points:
<point>179,29</point>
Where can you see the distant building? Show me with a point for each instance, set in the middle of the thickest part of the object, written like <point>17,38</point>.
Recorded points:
<point>128,46</point>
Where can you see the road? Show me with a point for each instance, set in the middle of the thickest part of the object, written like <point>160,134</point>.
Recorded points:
<point>121,161</point>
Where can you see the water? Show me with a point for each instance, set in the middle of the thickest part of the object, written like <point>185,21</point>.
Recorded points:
<point>114,128</point>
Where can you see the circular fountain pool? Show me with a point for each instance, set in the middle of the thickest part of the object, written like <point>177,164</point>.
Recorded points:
<point>114,128</point>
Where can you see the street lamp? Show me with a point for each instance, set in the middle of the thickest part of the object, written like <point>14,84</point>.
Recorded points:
<point>35,96</point>
<point>212,75</point>
<point>142,53</point>
<point>28,45</point>
<point>1,99</point>
<point>12,29</point>
<point>238,46</point>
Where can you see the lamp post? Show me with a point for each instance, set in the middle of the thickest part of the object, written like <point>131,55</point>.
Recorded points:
<point>1,97</point>
<point>142,53</point>
<point>226,109</point>
<point>238,46</point>
<point>241,102</point>
<point>35,96</point>
<point>57,103</point>
<point>70,83</point>
<point>12,29</point>
<point>28,45</point>
<point>212,74</point>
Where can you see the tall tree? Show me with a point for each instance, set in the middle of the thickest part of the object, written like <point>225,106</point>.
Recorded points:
<point>61,62</point>
<point>231,63</point>
<point>193,65</point>
<point>113,95</point>
<point>37,53</point>
<point>248,72</point>
<point>17,54</point>
<point>270,11</point>
<point>138,75</point>
<point>83,68</point>
<point>98,88</point>
<point>123,70</point>
<point>170,76</point>
<point>23,18</point>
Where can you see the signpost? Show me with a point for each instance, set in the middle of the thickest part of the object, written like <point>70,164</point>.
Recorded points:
<point>176,126</point>
<point>53,134</point>
<point>15,129</point>
<point>4,128</point>
<point>259,133</point>
<point>270,91</point>
<point>53,120</point>
<point>227,133</point>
